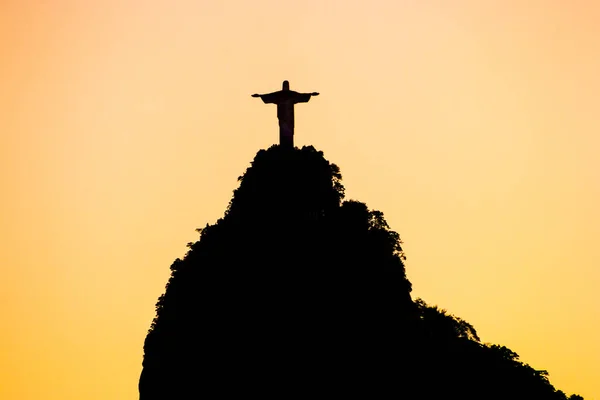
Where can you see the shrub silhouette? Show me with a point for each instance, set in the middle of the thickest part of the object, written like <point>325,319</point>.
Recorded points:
<point>297,292</point>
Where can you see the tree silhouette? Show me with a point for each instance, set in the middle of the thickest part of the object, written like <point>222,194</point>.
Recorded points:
<point>297,292</point>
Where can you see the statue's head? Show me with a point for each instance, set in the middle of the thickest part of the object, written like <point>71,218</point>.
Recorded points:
<point>286,85</point>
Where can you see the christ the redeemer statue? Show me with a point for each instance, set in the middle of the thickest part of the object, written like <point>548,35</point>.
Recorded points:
<point>285,100</point>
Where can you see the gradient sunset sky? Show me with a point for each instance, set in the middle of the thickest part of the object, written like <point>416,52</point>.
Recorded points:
<point>474,125</point>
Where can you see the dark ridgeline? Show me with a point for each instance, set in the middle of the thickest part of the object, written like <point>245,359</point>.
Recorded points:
<point>276,297</point>
<point>296,293</point>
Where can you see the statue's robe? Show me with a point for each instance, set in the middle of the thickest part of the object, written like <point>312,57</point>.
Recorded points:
<point>285,100</point>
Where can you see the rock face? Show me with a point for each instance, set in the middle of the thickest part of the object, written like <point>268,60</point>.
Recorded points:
<point>296,293</point>
<point>279,295</point>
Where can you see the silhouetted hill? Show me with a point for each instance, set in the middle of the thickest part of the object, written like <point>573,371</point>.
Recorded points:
<point>296,293</point>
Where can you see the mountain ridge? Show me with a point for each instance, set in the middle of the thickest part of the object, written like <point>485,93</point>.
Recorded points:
<point>296,291</point>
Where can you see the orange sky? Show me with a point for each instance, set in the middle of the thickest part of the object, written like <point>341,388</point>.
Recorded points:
<point>472,124</point>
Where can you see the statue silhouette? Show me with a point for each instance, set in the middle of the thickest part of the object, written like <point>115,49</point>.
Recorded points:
<point>285,100</point>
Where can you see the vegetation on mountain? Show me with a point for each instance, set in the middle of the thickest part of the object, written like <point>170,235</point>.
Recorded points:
<point>297,292</point>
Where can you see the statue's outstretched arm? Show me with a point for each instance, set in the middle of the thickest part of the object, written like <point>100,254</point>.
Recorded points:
<point>304,97</point>
<point>268,98</point>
